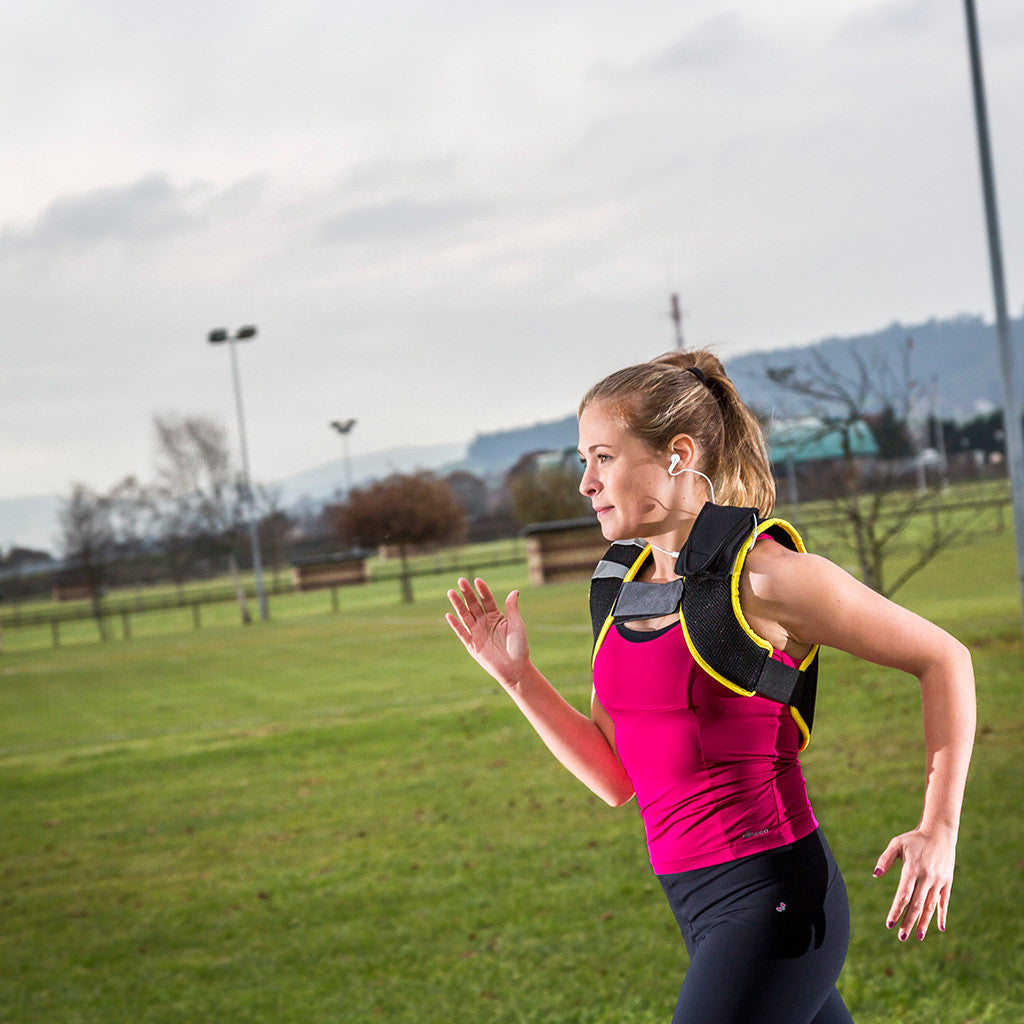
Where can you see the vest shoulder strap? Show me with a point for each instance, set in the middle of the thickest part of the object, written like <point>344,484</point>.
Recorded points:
<point>715,538</point>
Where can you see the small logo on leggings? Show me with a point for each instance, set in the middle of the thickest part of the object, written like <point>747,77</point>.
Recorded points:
<point>780,908</point>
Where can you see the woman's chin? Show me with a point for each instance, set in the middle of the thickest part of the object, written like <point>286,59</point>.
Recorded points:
<point>613,533</point>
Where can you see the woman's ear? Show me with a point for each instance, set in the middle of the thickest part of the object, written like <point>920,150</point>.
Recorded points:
<point>683,452</point>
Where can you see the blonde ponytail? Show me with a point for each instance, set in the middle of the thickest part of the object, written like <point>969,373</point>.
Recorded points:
<point>690,393</point>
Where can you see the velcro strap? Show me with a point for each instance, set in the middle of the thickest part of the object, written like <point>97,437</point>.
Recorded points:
<point>647,600</point>
<point>779,682</point>
<point>716,529</point>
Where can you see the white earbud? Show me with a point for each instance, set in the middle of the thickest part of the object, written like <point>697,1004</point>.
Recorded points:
<point>675,460</point>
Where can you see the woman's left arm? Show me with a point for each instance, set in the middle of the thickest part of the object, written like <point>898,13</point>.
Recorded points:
<point>813,601</point>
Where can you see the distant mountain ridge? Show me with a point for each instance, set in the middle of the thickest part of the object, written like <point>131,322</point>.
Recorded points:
<point>495,452</point>
<point>956,358</point>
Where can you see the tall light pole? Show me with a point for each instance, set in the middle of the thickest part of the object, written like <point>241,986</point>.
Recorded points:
<point>1007,361</point>
<point>217,337</point>
<point>344,427</point>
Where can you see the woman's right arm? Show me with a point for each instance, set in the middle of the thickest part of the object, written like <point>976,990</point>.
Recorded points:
<point>497,642</point>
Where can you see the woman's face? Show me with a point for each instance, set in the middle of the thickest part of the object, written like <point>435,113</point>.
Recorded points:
<point>628,485</point>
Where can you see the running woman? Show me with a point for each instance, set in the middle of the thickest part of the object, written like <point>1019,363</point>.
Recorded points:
<point>732,837</point>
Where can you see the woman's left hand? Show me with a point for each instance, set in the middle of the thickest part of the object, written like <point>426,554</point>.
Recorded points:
<point>925,880</point>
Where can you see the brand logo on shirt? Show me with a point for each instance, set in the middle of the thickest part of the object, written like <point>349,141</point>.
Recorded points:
<point>750,834</point>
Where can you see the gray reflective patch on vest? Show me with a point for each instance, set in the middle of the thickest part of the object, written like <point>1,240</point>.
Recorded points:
<point>610,570</point>
<point>648,600</point>
<point>607,569</point>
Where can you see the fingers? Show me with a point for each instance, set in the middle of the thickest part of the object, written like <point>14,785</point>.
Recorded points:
<point>922,892</point>
<point>907,907</point>
<point>486,597</point>
<point>481,605</point>
<point>920,907</point>
<point>457,627</point>
<point>463,619</point>
<point>931,904</point>
<point>470,605</point>
<point>943,906</point>
<point>888,858</point>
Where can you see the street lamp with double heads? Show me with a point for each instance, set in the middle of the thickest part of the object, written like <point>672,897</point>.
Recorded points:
<point>216,337</point>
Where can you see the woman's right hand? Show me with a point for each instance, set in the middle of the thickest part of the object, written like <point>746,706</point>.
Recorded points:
<point>496,641</point>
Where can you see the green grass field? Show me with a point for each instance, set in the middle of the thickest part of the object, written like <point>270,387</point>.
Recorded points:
<point>339,818</point>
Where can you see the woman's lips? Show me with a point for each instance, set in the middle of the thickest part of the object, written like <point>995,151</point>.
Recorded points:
<point>600,511</point>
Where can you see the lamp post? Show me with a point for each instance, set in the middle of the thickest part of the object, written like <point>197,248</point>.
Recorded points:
<point>1007,354</point>
<point>344,427</point>
<point>217,337</point>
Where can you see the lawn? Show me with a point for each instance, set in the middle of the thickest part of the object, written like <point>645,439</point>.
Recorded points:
<point>339,818</point>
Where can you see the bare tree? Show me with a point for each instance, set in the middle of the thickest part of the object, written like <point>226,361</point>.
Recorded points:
<point>405,510</point>
<point>194,469</point>
<point>87,537</point>
<point>201,495</point>
<point>133,519</point>
<point>881,511</point>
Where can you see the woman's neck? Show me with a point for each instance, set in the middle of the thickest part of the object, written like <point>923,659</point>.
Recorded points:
<point>665,550</point>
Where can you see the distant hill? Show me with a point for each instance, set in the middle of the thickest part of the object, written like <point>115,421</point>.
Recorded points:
<point>327,481</point>
<point>493,453</point>
<point>959,355</point>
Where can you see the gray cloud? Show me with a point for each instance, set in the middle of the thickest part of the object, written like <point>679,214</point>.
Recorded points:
<point>403,216</point>
<point>714,42</point>
<point>891,19</point>
<point>145,208</point>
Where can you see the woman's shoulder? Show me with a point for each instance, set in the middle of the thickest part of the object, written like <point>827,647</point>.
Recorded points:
<point>769,555</point>
<point>773,572</point>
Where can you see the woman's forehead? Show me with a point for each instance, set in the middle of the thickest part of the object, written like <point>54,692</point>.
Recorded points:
<point>601,424</point>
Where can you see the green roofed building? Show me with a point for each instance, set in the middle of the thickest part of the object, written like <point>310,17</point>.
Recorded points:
<point>808,460</point>
<point>808,439</point>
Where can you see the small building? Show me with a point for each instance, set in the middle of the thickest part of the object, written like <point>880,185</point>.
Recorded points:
<point>567,549</point>
<point>329,571</point>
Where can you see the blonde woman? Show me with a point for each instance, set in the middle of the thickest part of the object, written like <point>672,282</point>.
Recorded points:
<point>713,763</point>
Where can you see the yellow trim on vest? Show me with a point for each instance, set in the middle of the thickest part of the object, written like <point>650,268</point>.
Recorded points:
<point>805,733</point>
<point>707,668</point>
<point>741,557</point>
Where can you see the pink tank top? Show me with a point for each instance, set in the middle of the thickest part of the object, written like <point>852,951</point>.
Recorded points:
<point>716,774</point>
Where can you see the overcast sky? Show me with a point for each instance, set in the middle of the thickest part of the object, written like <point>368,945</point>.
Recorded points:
<point>454,216</point>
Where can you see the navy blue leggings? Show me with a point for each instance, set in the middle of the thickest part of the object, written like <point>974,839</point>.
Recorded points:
<point>767,937</point>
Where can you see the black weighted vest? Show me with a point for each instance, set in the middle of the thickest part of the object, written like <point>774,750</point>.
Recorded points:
<point>707,596</point>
